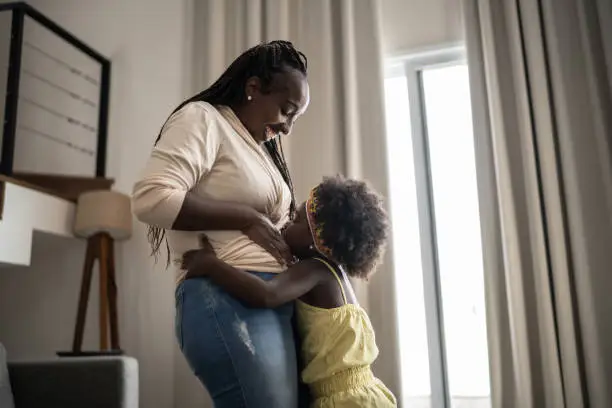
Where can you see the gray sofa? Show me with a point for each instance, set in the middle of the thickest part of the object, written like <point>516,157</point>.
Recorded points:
<point>88,382</point>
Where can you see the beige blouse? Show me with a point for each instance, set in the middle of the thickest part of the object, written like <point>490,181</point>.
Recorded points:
<point>207,150</point>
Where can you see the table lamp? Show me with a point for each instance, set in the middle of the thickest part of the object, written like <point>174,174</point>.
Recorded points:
<point>101,217</point>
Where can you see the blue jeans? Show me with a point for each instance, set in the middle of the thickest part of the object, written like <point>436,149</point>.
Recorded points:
<point>244,357</point>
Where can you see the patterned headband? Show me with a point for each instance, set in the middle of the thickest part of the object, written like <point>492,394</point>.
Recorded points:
<point>316,230</point>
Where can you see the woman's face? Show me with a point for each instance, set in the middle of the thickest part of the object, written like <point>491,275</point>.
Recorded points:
<point>273,111</point>
<point>297,234</point>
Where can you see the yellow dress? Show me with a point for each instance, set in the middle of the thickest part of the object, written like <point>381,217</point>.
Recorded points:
<point>338,347</point>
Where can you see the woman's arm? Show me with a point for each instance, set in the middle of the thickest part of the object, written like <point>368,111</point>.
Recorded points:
<point>185,152</point>
<point>183,155</point>
<point>199,214</point>
<point>298,280</point>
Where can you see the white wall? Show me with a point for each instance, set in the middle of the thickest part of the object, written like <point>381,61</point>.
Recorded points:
<point>38,303</point>
<point>145,41</point>
<point>409,25</point>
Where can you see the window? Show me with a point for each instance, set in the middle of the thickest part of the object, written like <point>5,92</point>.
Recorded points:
<point>409,279</point>
<point>434,204</point>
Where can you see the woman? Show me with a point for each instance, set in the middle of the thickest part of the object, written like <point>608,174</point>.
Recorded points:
<point>218,167</point>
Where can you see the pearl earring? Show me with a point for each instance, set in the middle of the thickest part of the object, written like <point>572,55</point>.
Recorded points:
<point>249,98</point>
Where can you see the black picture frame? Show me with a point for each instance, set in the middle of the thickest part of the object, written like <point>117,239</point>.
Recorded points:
<point>19,12</point>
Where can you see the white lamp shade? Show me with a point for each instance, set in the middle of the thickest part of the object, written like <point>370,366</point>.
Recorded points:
<point>103,211</point>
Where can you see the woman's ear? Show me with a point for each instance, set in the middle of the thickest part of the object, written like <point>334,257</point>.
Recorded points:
<point>252,88</point>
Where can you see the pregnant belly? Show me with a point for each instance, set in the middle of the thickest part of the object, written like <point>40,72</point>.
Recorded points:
<point>232,247</point>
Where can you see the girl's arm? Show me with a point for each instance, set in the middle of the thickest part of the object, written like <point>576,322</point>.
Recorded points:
<point>299,279</point>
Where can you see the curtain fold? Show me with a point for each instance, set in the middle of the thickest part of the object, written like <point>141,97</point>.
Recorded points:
<point>343,129</point>
<point>541,102</point>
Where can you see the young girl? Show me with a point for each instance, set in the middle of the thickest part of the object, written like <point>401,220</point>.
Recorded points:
<point>339,232</point>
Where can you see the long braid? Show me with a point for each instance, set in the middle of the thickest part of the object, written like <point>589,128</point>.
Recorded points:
<point>278,156</point>
<point>288,180</point>
<point>261,61</point>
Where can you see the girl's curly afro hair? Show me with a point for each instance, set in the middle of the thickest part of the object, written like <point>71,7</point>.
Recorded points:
<point>354,224</point>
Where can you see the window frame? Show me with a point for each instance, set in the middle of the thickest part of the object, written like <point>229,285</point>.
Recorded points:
<point>411,66</point>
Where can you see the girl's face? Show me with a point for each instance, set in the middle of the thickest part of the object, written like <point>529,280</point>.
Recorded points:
<point>297,234</point>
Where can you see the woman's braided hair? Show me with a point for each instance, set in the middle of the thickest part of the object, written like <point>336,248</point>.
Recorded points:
<point>262,61</point>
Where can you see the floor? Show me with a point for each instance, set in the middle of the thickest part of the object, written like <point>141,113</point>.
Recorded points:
<point>457,402</point>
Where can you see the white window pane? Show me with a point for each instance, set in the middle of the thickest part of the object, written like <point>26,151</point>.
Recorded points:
<point>416,389</point>
<point>453,171</point>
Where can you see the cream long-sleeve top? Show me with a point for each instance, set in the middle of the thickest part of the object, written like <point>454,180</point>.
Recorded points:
<point>206,150</point>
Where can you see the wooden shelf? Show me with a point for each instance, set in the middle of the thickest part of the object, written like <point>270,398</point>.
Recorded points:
<point>66,187</point>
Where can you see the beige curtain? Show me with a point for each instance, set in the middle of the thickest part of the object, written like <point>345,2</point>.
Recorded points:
<point>543,121</point>
<point>343,130</point>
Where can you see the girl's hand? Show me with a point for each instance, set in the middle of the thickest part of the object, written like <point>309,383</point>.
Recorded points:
<point>197,258</point>
<point>205,246</point>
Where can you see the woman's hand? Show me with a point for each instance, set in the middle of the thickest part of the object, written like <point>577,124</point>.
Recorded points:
<point>261,231</point>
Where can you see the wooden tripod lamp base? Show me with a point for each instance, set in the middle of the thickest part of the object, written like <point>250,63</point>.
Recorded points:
<point>102,217</point>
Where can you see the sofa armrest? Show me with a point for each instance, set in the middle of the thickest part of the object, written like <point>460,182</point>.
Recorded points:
<point>109,382</point>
